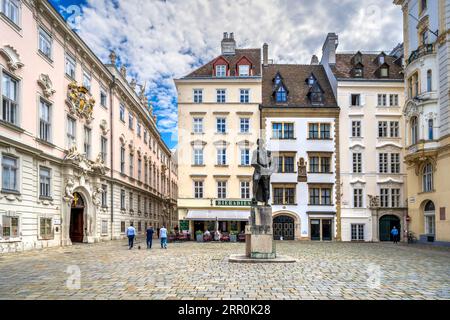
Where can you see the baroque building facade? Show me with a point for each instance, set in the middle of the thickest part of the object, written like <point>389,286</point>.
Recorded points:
<point>80,152</point>
<point>300,122</point>
<point>218,118</point>
<point>370,92</point>
<point>427,113</point>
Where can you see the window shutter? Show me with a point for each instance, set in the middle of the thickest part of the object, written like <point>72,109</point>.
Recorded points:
<point>363,99</point>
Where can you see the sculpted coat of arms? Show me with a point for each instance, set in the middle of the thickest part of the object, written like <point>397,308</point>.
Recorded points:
<point>80,102</point>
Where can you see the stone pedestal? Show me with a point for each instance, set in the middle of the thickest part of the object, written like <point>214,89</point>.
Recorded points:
<point>259,234</point>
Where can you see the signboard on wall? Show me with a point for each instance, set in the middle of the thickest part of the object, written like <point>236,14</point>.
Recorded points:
<point>233,203</point>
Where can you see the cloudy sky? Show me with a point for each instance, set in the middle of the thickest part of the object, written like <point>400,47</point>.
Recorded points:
<point>160,40</point>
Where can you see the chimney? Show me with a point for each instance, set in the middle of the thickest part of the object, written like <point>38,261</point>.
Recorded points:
<point>265,54</point>
<point>314,60</point>
<point>228,44</point>
<point>329,48</point>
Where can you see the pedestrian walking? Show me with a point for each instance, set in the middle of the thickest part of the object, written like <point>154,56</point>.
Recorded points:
<point>131,234</point>
<point>163,237</point>
<point>150,232</point>
<point>394,233</point>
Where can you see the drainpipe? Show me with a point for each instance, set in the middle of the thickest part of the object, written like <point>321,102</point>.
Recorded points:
<point>111,118</point>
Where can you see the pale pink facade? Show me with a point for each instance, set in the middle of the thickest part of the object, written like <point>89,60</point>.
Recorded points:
<point>54,147</point>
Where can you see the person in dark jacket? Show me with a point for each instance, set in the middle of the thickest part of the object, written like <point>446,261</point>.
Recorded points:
<point>150,232</point>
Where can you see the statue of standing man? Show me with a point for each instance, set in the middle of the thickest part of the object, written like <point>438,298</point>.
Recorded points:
<point>264,167</point>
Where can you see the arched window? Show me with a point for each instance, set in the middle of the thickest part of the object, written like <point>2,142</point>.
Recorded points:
<point>429,206</point>
<point>430,218</point>
<point>281,94</point>
<point>414,130</point>
<point>427,178</point>
<point>430,129</point>
<point>429,81</point>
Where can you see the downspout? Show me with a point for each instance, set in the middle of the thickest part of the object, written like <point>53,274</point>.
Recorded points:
<point>111,118</point>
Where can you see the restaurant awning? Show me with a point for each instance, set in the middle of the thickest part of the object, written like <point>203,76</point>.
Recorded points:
<point>221,215</point>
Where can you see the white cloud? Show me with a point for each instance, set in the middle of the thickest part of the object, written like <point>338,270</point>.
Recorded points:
<point>162,40</point>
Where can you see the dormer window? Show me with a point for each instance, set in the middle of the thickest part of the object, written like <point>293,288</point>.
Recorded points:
<point>384,72</point>
<point>244,70</point>
<point>315,93</point>
<point>381,59</point>
<point>221,70</point>
<point>277,79</point>
<point>358,72</point>
<point>357,58</point>
<point>311,80</point>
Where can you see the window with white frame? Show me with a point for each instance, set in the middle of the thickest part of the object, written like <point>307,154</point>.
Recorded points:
<point>198,125</point>
<point>395,163</point>
<point>44,120</point>
<point>198,95</point>
<point>245,156</point>
<point>130,121</point>
<point>395,198</point>
<point>221,156</point>
<point>382,129</point>
<point>87,142</point>
<point>145,136</point>
<point>10,171</point>
<point>357,162</point>
<point>427,178</point>
<point>221,189</point>
<point>414,130</point>
<point>45,228</point>
<point>104,226</point>
<point>70,66</point>
<point>221,70</point>
<point>198,156</point>
<point>138,128</point>
<point>71,132</point>
<point>383,163</point>
<point>131,204</point>
<point>244,70</point>
<point>384,198</point>
<point>139,169</point>
<point>245,189</point>
<point>356,129</point>
<point>244,125</point>
<point>394,129</point>
<point>131,165</point>
<point>45,43</point>
<point>44,182</point>
<point>103,98</point>
<point>104,148</point>
<point>10,99</point>
<point>9,227</point>
<point>145,172</point>
<point>11,9</point>
<point>122,113</point>
<point>198,189</point>
<point>357,231</point>
<point>221,125</point>
<point>245,95</point>
<point>87,80</point>
<point>382,100</point>
<point>393,100</point>
<point>221,95</point>
<point>355,100</point>
<point>357,198</point>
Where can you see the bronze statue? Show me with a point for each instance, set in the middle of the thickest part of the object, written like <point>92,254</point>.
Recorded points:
<point>264,167</point>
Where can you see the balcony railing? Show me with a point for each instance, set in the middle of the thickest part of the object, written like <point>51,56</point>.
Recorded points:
<point>420,52</point>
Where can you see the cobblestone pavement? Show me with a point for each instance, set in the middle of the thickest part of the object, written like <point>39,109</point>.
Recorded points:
<point>201,271</point>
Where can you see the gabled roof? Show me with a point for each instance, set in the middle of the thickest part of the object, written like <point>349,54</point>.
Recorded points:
<point>344,66</point>
<point>254,55</point>
<point>293,77</point>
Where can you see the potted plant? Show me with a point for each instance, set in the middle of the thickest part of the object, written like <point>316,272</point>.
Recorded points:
<point>233,236</point>
<point>199,236</point>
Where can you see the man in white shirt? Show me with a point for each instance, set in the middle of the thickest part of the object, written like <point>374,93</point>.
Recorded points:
<point>131,234</point>
<point>163,237</point>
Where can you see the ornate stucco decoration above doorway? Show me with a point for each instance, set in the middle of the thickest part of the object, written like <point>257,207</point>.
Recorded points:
<point>80,102</point>
<point>374,201</point>
<point>46,84</point>
<point>104,127</point>
<point>68,192</point>
<point>84,164</point>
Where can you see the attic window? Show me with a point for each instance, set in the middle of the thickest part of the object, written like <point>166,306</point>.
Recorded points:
<point>281,95</point>
<point>381,59</point>
<point>358,72</point>
<point>311,80</point>
<point>244,70</point>
<point>357,58</point>
<point>316,95</point>
<point>277,80</point>
<point>221,70</point>
<point>384,72</point>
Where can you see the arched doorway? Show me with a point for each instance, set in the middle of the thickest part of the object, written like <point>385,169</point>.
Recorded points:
<point>283,226</point>
<point>430,220</point>
<point>77,218</point>
<point>387,223</point>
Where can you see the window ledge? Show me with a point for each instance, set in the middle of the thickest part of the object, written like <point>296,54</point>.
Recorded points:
<point>47,143</point>
<point>45,198</point>
<point>197,133</point>
<point>284,139</point>
<point>320,205</point>
<point>426,192</point>
<point>14,192</point>
<point>45,57</point>
<point>198,165</point>
<point>12,126</point>
<point>49,238</point>
<point>10,22</point>
<point>320,172</point>
<point>222,165</point>
<point>10,240</point>
<point>320,139</point>
<point>244,166</point>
